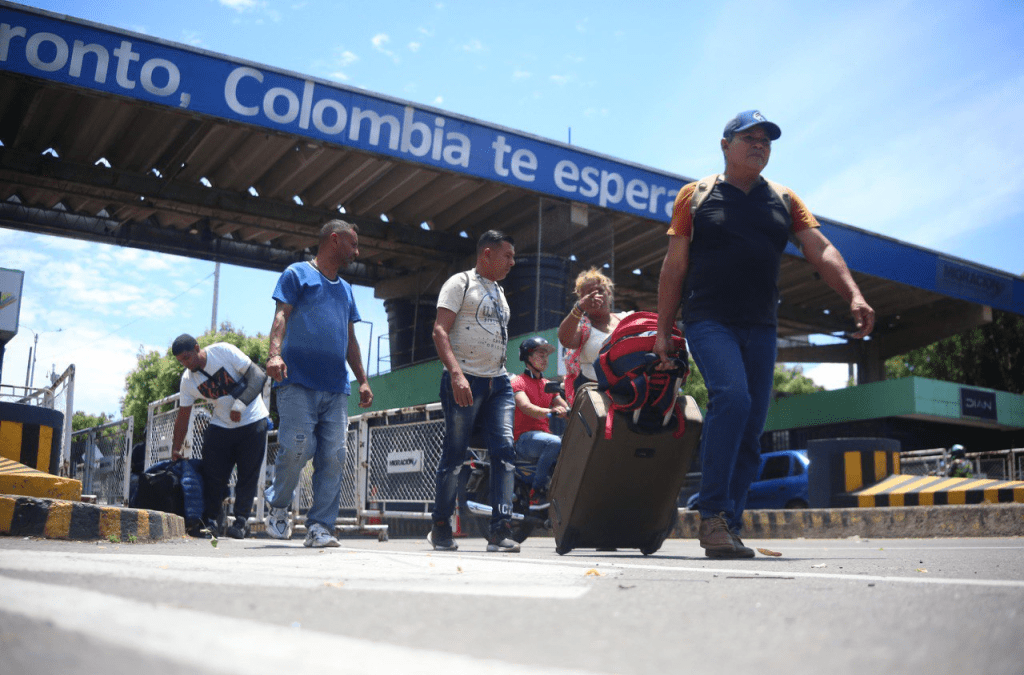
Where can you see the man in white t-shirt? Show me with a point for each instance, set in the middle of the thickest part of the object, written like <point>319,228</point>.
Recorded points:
<point>471,336</point>
<point>237,434</point>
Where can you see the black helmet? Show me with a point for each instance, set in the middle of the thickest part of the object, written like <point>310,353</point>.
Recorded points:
<point>530,344</point>
<point>957,450</point>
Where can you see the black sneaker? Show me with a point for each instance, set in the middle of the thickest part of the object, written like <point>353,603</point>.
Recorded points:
<point>199,530</point>
<point>239,529</point>
<point>440,536</point>
<point>500,540</point>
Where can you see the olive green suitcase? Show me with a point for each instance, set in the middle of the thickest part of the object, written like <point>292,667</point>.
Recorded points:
<point>619,492</point>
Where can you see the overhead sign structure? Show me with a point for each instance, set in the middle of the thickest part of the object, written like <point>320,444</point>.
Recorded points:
<point>102,59</point>
<point>145,69</point>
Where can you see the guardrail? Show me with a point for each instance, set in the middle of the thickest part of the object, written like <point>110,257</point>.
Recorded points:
<point>997,464</point>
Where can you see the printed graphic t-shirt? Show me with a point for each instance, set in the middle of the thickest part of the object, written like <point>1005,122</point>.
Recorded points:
<point>479,336</point>
<point>225,363</point>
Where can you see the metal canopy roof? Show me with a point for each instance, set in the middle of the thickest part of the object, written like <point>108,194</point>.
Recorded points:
<point>88,161</point>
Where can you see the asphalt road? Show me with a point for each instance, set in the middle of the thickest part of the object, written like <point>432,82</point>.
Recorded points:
<point>261,606</point>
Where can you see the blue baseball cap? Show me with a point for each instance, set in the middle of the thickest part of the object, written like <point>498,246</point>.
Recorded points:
<point>748,119</point>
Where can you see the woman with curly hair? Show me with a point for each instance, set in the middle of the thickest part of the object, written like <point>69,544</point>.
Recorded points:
<point>586,327</point>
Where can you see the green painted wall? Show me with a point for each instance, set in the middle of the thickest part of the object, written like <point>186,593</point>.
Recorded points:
<point>892,398</point>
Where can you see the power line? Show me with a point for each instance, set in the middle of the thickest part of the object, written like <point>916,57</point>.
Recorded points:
<point>134,321</point>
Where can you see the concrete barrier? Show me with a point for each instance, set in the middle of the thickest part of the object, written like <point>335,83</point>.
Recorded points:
<point>978,520</point>
<point>61,519</point>
<point>18,479</point>
<point>31,435</point>
<point>842,465</point>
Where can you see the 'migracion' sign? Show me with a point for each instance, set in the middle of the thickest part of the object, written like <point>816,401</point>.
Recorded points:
<point>405,461</point>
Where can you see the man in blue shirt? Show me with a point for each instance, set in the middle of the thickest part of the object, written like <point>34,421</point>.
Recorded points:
<point>311,340</point>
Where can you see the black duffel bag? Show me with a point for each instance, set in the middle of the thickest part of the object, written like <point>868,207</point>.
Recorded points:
<point>160,490</point>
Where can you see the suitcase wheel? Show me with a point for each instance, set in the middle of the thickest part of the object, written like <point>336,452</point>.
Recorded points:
<point>566,543</point>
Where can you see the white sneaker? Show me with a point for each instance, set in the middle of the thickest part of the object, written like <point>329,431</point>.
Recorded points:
<point>279,523</point>
<point>319,537</point>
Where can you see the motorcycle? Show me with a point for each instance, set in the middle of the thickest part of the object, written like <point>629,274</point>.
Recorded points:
<point>476,487</point>
<point>477,502</point>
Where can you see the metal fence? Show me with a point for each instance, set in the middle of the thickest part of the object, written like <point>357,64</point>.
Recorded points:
<point>60,395</point>
<point>101,458</point>
<point>995,464</point>
<point>403,450</point>
<point>353,514</point>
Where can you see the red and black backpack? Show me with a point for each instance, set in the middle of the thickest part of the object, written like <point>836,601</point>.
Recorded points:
<point>626,372</point>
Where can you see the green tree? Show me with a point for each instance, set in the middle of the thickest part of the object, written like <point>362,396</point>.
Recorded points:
<point>989,356</point>
<point>792,382</point>
<point>787,382</point>
<point>157,376</point>
<point>81,420</point>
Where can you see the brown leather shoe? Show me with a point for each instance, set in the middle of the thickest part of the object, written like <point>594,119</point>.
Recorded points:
<point>741,550</point>
<point>716,539</point>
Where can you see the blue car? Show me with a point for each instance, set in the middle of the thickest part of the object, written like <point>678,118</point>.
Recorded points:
<point>781,482</point>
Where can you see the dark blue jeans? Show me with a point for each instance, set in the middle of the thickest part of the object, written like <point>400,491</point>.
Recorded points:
<point>738,365</point>
<point>541,448</point>
<point>493,407</point>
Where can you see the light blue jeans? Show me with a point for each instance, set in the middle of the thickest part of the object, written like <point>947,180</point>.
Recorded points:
<point>492,411</point>
<point>738,365</point>
<point>314,425</point>
<point>542,448</point>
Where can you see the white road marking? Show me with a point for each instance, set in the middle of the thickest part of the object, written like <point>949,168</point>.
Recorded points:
<point>610,568</point>
<point>347,569</point>
<point>108,618</point>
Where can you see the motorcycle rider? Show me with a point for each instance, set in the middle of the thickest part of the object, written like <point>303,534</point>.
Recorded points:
<point>531,430</point>
<point>960,467</point>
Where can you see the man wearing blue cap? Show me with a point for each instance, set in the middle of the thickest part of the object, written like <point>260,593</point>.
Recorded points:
<point>726,240</point>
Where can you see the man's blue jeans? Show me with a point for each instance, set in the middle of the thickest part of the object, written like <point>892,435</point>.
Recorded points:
<point>738,365</point>
<point>314,424</point>
<point>542,448</point>
<point>492,411</point>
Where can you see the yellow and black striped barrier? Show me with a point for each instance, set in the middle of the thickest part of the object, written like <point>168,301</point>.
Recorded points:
<point>31,435</point>
<point>60,519</point>
<point>904,490</point>
<point>18,479</point>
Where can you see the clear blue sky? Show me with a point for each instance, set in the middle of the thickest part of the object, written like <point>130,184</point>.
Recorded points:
<point>900,118</point>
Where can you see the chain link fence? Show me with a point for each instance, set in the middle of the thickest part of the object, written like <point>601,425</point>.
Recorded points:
<point>101,458</point>
<point>404,450</point>
<point>162,416</point>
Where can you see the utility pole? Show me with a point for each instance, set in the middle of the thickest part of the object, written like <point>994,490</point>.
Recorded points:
<point>33,352</point>
<point>216,286</point>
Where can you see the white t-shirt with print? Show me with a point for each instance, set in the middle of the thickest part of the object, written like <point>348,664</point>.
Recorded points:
<point>479,336</point>
<point>225,364</point>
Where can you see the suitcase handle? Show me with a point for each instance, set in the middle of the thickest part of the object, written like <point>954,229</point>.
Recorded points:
<point>590,432</point>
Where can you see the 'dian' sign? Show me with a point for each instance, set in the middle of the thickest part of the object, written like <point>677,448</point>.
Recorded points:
<point>977,403</point>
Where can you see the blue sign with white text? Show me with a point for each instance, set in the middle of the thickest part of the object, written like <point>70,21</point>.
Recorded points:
<point>141,68</point>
